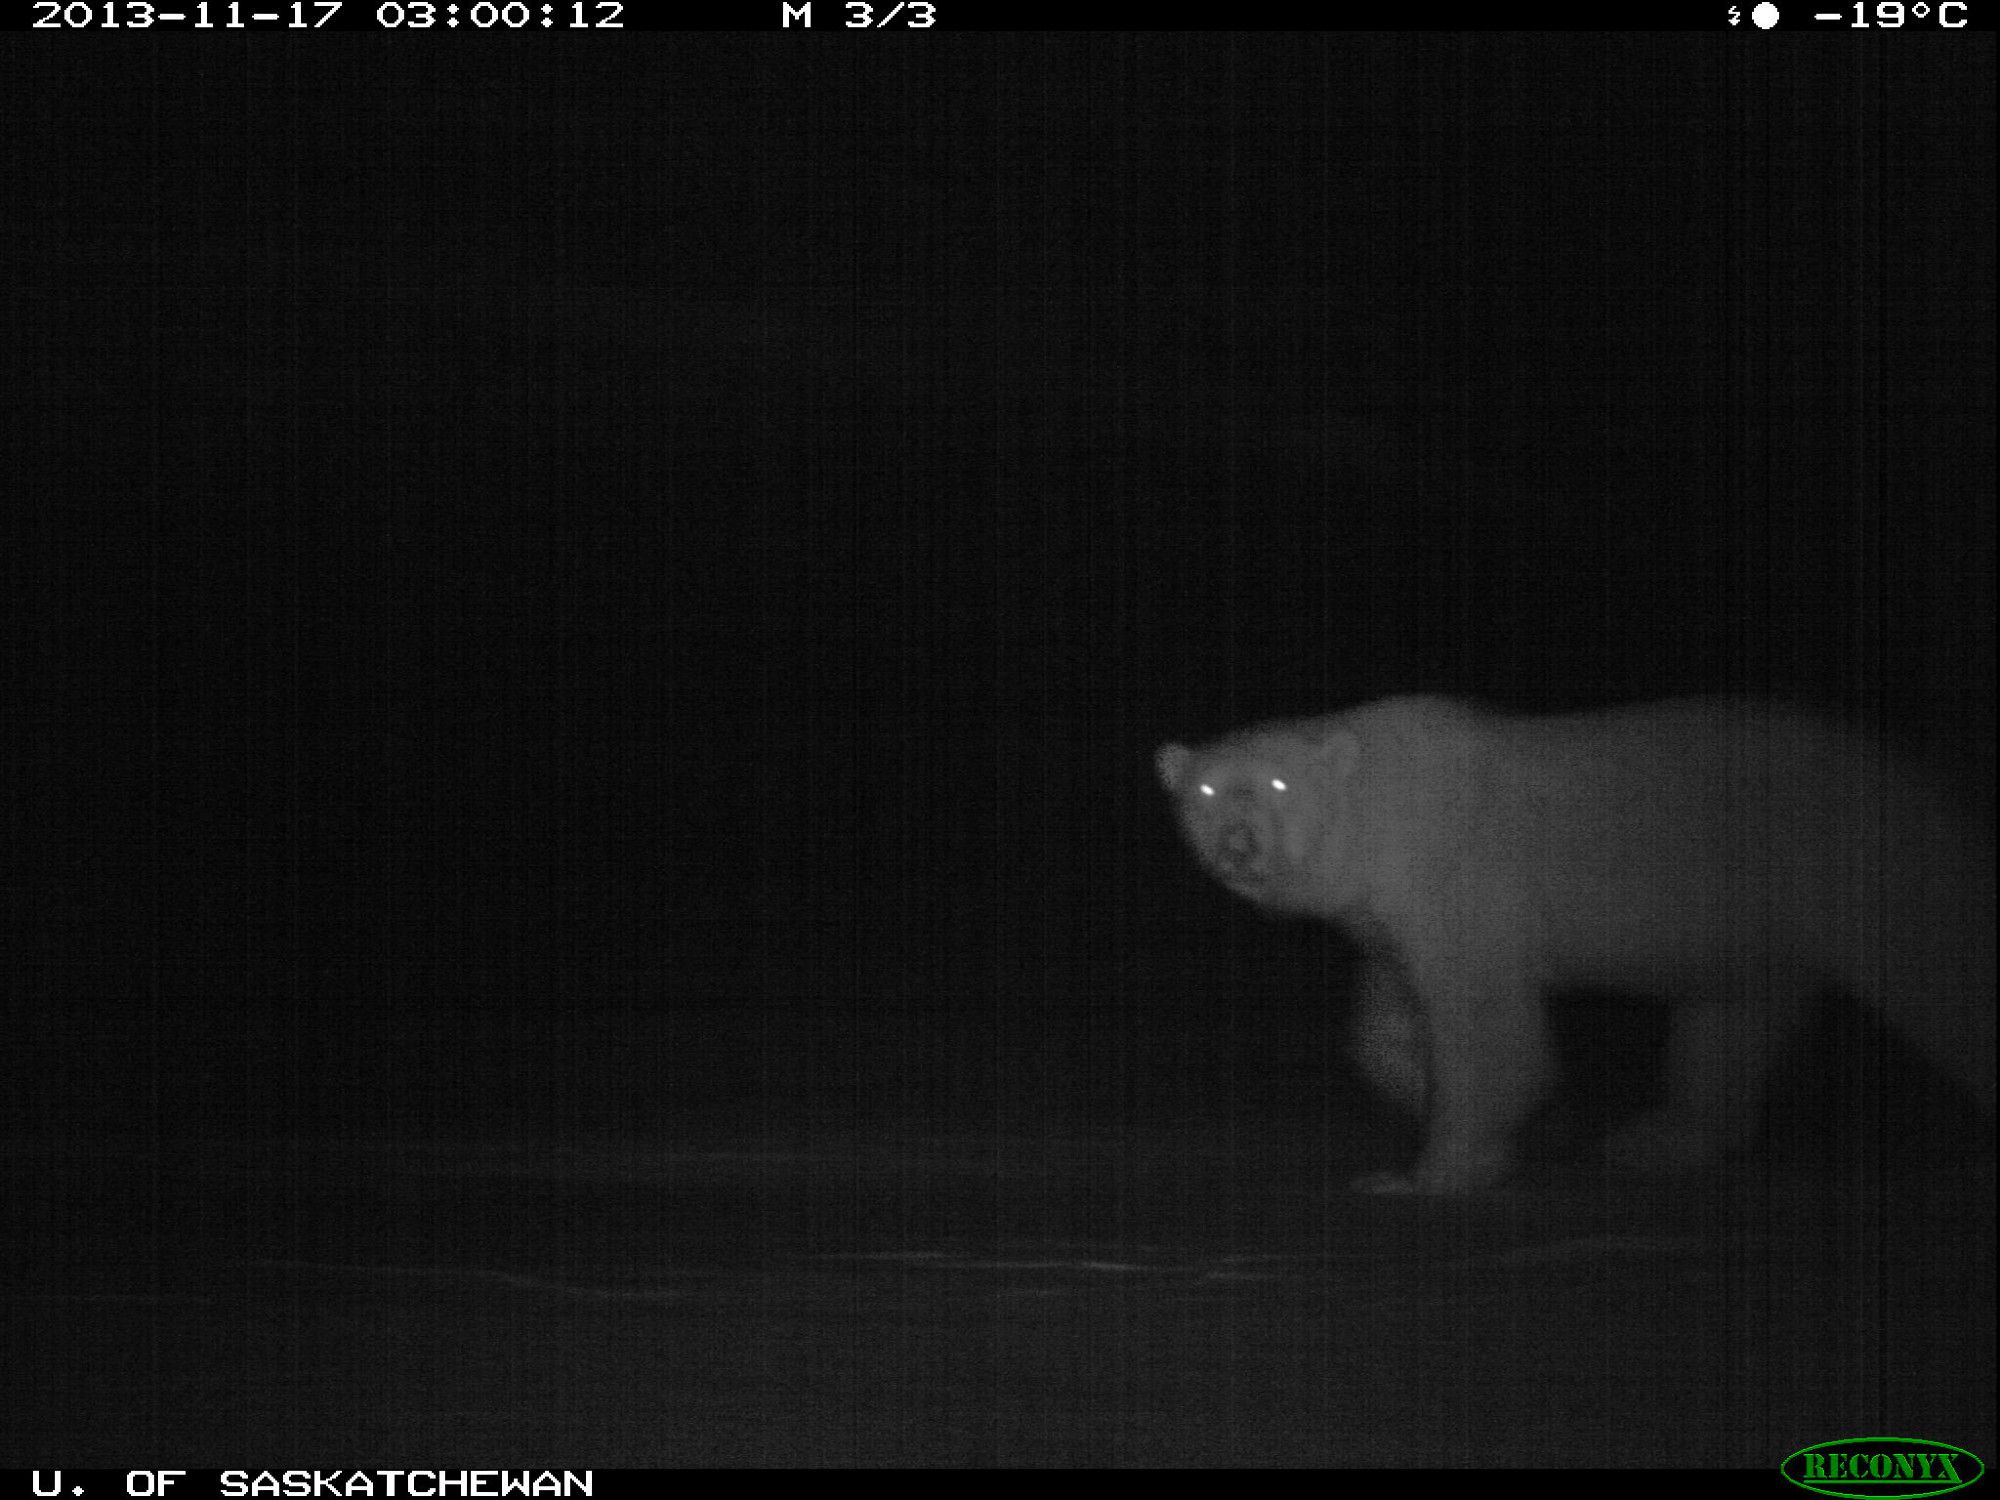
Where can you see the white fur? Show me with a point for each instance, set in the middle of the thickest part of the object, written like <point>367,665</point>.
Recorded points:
<point>1728,856</point>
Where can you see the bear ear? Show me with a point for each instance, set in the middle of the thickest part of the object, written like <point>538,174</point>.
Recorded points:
<point>1172,761</point>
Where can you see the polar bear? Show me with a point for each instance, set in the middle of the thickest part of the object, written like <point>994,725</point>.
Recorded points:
<point>1732,857</point>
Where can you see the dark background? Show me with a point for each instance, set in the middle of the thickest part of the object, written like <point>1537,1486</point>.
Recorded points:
<point>627,590</point>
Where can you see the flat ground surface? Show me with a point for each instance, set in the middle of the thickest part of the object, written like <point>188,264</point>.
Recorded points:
<point>911,1300</point>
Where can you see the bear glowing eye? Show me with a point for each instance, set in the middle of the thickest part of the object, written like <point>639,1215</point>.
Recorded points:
<point>1207,790</point>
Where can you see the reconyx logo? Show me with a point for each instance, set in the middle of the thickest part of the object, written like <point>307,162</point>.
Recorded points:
<point>1873,1467</point>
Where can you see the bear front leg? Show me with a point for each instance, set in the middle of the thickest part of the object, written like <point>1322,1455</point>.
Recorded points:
<point>1490,1064</point>
<point>1717,1057</point>
<point>1386,1041</point>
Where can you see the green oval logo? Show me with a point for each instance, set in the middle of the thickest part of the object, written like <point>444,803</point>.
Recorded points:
<point>1867,1467</point>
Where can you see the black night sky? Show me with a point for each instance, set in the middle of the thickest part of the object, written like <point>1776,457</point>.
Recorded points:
<point>622,595</point>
